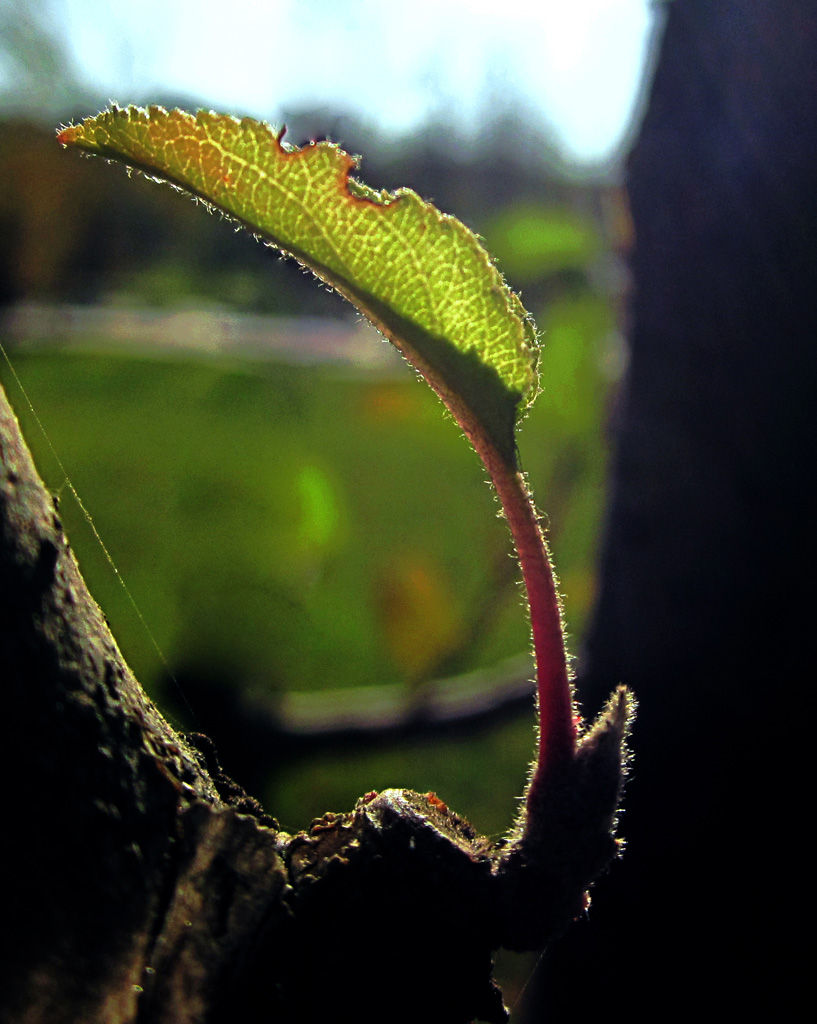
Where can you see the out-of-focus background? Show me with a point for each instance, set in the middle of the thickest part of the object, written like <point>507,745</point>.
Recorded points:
<point>311,543</point>
<point>288,507</point>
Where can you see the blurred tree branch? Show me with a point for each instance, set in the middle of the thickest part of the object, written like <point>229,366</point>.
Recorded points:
<point>258,733</point>
<point>41,74</point>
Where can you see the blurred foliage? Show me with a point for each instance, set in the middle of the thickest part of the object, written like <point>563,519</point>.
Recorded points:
<point>266,517</point>
<point>532,240</point>
<point>37,69</point>
<point>283,526</point>
<point>292,527</point>
<point>289,527</point>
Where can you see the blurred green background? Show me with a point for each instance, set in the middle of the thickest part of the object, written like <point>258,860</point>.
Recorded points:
<point>290,510</point>
<point>298,527</point>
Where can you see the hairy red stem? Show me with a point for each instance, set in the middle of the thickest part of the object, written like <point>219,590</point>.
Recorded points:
<point>557,723</point>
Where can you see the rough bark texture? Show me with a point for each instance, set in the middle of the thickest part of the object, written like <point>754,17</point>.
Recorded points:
<point>112,826</point>
<point>143,885</point>
<point>707,605</point>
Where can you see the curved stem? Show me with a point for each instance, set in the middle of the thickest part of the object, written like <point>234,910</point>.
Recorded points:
<point>557,721</point>
<point>557,725</point>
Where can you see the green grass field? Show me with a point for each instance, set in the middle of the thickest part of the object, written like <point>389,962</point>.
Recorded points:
<point>309,528</point>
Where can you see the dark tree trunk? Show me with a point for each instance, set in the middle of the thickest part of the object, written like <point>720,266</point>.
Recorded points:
<point>707,605</point>
<point>113,829</point>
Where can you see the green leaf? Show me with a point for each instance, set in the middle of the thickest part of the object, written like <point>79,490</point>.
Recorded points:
<point>418,274</point>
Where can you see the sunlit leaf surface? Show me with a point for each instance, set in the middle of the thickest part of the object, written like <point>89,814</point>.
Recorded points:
<point>419,275</point>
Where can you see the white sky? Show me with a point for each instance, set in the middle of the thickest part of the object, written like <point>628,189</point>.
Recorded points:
<point>578,62</point>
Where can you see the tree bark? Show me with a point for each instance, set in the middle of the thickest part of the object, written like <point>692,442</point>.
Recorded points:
<point>706,604</point>
<point>112,825</point>
<point>144,885</point>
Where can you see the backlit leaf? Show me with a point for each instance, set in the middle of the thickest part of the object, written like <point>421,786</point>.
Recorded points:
<point>419,275</point>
